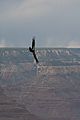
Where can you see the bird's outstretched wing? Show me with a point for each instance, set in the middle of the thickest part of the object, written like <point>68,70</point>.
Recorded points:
<point>30,49</point>
<point>35,57</point>
<point>33,44</point>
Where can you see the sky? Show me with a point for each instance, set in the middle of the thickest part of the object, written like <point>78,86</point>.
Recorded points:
<point>54,23</point>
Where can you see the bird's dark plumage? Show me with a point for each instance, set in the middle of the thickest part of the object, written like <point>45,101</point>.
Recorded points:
<point>33,43</point>
<point>33,50</point>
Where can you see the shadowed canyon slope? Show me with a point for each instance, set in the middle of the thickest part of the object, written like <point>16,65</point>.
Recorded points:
<point>47,91</point>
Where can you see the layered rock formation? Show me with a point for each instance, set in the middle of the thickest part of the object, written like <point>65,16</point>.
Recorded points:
<point>47,91</point>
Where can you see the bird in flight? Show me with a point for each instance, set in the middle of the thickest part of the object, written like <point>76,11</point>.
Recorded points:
<point>33,50</point>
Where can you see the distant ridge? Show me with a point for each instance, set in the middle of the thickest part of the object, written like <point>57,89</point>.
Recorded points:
<point>48,56</point>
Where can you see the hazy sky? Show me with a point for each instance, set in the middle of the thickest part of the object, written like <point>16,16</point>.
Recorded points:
<point>54,23</point>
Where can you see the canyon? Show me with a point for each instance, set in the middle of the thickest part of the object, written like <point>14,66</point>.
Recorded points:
<point>49,90</point>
